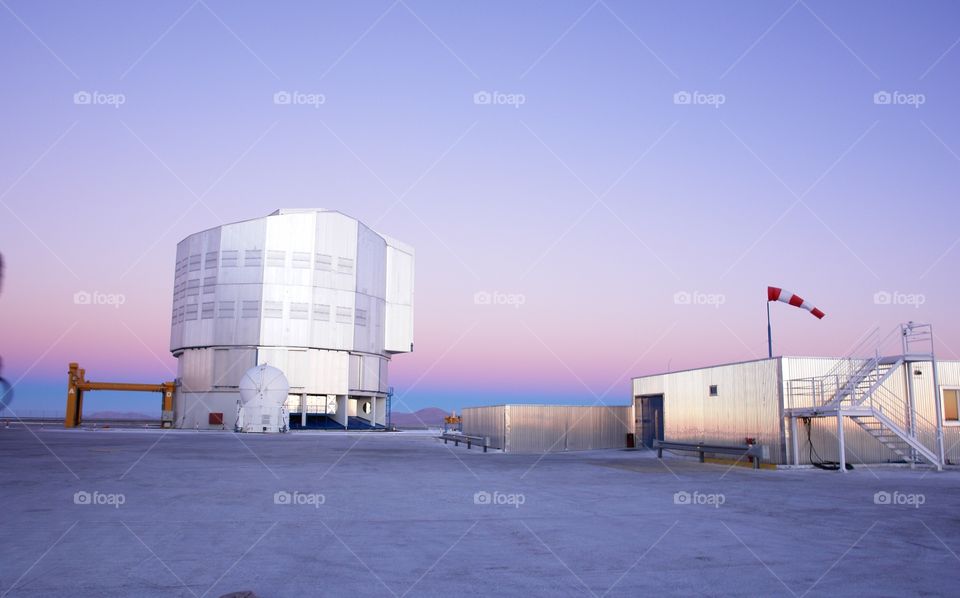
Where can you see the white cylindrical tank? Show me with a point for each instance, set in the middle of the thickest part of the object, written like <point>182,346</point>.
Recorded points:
<point>263,392</point>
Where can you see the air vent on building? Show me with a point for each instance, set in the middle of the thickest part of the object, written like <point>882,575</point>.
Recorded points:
<point>301,259</point>
<point>227,309</point>
<point>345,265</point>
<point>250,309</point>
<point>276,258</point>
<point>273,309</point>
<point>321,312</point>
<point>299,311</point>
<point>324,262</point>
<point>253,258</point>
<point>191,312</point>
<point>229,258</point>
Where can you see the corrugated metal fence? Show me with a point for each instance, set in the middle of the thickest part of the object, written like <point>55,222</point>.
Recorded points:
<point>549,428</point>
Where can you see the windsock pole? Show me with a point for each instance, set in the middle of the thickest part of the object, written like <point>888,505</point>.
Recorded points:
<point>769,334</point>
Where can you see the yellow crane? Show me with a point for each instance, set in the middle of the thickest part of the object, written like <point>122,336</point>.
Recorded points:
<point>77,384</point>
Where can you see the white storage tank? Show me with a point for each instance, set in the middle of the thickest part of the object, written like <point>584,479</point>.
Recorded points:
<point>315,293</point>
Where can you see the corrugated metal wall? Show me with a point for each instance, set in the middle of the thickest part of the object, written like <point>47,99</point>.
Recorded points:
<point>860,446</point>
<point>549,428</point>
<point>486,421</point>
<point>747,404</point>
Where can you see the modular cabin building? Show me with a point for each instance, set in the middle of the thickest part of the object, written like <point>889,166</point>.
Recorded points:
<point>897,407</point>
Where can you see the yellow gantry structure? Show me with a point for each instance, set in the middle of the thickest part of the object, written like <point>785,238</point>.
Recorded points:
<point>77,384</point>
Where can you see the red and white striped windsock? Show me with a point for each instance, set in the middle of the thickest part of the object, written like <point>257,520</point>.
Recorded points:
<point>778,294</point>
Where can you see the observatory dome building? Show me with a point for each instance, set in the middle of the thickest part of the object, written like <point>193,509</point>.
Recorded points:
<point>312,292</point>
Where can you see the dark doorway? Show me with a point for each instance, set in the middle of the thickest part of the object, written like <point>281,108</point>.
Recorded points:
<point>649,414</point>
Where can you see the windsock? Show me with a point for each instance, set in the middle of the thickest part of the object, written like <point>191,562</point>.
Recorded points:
<point>778,294</point>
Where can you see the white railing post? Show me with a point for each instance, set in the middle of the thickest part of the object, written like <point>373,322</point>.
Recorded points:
<point>939,402</point>
<point>840,443</point>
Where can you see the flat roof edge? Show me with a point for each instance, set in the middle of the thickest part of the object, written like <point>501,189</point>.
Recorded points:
<point>777,357</point>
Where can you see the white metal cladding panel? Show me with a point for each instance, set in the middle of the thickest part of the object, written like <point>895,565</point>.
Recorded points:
<point>189,329</point>
<point>311,371</point>
<point>355,379</point>
<point>549,428</point>
<point>326,330</point>
<point>292,362</point>
<point>368,329</point>
<point>949,374</point>
<point>371,373</point>
<point>336,237</point>
<point>384,375</point>
<point>486,421</point>
<point>192,410</point>
<point>747,404</point>
<point>285,330</point>
<point>241,237</point>
<point>399,297</point>
<point>195,369</point>
<point>193,286</point>
<point>230,364</point>
<point>367,375</point>
<point>236,326</point>
<point>371,265</point>
<point>288,235</point>
<point>596,427</point>
<point>328,372</point>
<point>206,368</point>
<point>861,447</point>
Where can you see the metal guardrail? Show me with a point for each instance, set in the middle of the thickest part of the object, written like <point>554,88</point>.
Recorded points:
<point>469,440</point>
<point>747,450</point>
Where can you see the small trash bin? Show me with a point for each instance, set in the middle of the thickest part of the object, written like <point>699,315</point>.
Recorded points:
<point>631,440</point>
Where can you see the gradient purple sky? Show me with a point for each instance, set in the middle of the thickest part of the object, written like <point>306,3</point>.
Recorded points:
<point>596,200</point>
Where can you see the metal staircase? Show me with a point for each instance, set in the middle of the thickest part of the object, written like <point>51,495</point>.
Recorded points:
<point>856,388</point>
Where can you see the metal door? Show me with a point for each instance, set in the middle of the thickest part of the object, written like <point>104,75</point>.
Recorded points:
<point>649,413</point>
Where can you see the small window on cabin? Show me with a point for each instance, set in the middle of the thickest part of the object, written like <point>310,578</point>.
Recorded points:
<point>951,404</point>
<point>713,390</point>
